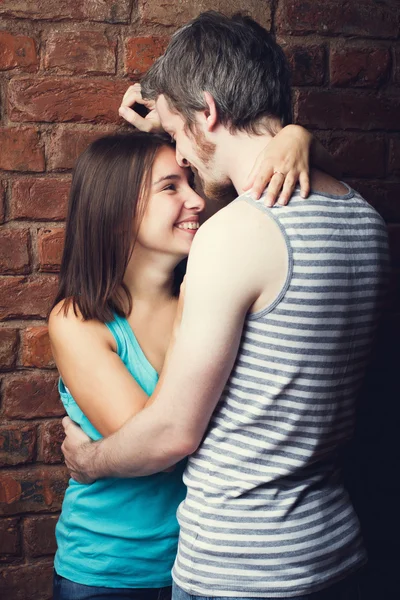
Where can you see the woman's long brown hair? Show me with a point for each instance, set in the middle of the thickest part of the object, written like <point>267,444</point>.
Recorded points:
<point>107,199</point>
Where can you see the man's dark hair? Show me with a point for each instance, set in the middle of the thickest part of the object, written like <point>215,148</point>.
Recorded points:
<point>108,197</point>
<point>234,59</point>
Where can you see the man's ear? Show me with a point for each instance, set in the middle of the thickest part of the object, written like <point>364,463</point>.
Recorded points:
<point>210,113</point>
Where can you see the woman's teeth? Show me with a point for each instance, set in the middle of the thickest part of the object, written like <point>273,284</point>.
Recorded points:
<point>188,225</point>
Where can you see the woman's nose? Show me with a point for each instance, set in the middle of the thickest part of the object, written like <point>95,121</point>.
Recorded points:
<point>194,202</point>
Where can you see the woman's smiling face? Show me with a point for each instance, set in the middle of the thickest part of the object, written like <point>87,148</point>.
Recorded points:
<point>171,217</point>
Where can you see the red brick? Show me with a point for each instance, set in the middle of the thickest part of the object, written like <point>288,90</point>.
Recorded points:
<point>176,14</point>
<point>62,100</point>
<point>21,149</point>
<point>394,156</point>
<point>8,347</point>
<point>109,11</point>
<point>10,539</point>
<point>359,155</point>
<point>31,396</point>
<point>14,251</point>
<point>65,145</point>
<point>359,67</point>
<point>336,109</point>
<point>141,52</point>
<point>32,489</point>
<point>306,64</point>
<point>39,199</point>
<point>17,444</point>
<point>50,439</point>
<point>80,52</point>
<point>22,297</point>
<point>27,581</point>
<point>50,247</point>
<point>366,18</point>
<point>36,350</point>
<point>39,535</point>
<point>17,51</point>
<point>2,201</point>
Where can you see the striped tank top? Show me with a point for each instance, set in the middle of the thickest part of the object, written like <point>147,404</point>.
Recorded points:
<point>266,513</point>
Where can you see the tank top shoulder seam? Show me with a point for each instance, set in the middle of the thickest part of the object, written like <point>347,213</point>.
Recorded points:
<point>269,213</point>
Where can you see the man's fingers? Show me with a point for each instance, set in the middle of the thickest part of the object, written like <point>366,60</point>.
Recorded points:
<point>287,190</point>
<point>274,188</point>
<point>304,184</point>
<point>66,422</point>
<point>134,118</point>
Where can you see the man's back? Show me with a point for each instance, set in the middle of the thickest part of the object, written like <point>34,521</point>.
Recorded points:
<point>266,512</point>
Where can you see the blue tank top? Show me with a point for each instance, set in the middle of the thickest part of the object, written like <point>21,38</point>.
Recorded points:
<point>119,533</point>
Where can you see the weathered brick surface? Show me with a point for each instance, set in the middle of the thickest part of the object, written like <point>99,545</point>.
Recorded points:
<point>172,14</point>
<point>17,444</point>
<point>2,201</point>
<point>10,539</point>
<point>330,109</point>
<point>50,247</point>
<point>31,396</point>
<point>8,347</point>
<point>359,154</point>
<point>14,251</point>
<point>307,63</point>
<point>22,297</point>
<point>359,67</point>
<point>17,51</point>
<point>80,52</point>
<point>54,10</point>
<point>365,19</point>
<point>32,489</point>
<point>28,581</point>
<point>51,99</point>
<point>141,52</point>
<point>35,347</point>
<point>40,199</point>
<point>51,437</point>
<point>21,149</point>
<point>65,145</point>
<point>39,535</point>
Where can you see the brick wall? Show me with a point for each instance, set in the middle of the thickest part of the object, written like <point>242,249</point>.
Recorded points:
<point>64,67</point>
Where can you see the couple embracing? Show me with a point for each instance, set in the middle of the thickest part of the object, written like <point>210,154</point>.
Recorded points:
<point>245,384</point>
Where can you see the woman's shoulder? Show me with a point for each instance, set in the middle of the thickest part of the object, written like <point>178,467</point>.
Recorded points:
<point>66,323</point>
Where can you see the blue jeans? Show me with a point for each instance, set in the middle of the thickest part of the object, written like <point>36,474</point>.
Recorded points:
<point>64,589</point>
<point>344,590</point>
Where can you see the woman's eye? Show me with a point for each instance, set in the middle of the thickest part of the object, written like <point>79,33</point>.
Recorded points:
<point>171,186</point>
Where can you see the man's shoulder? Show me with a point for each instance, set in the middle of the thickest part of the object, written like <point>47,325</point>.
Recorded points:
<point>237,222</point>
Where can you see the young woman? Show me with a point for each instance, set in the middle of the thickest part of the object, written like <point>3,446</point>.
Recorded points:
<point>132,217</point>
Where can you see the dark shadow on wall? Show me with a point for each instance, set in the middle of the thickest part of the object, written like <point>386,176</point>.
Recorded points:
<point>372,464</point>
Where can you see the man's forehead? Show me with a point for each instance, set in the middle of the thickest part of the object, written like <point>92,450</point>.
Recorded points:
<point>168,118</point>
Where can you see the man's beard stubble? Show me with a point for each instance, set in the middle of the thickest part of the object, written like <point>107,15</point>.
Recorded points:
<point>222,192</point>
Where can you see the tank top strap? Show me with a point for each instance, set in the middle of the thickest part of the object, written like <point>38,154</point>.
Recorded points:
<point>128,348</point>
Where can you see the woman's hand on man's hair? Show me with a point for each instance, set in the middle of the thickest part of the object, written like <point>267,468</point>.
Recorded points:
<point>148,123</point>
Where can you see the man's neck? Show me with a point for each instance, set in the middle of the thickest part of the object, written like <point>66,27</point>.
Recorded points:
<point>241,155</point>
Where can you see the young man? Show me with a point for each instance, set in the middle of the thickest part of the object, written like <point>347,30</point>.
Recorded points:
<point>280,309</point>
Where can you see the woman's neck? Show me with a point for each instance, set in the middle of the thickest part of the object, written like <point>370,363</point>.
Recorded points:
<point>150,277</point>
